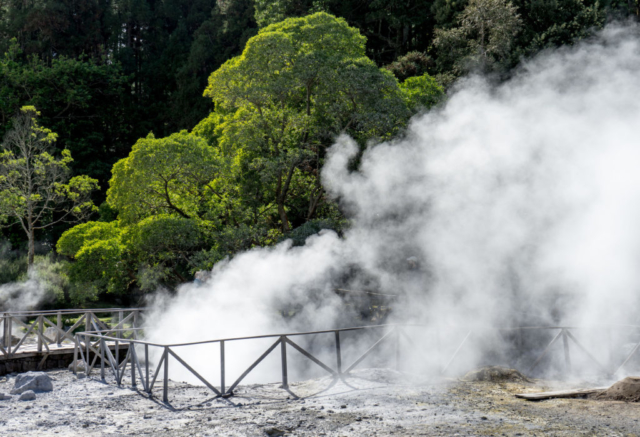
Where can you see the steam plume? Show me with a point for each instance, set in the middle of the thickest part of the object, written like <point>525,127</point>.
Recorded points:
<point>519,203</point>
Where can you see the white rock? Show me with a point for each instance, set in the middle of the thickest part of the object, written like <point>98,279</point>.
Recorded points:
<point>28,395</point>
<point>79,366</point>
<point>37,381</point>
<point>4,397</point>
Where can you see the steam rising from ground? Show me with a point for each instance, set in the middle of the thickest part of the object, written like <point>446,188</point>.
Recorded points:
<point>519,204</point>
<point>22,296</point>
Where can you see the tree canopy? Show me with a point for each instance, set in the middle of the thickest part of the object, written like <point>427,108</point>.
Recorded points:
<point>36,190</point>
<point>191,177</point>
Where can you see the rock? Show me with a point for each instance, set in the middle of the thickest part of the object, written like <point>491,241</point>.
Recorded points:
<point>28,395</point>
<point>81,375</point>
<point>4,397</point>
<point>495,374</point>
<point>79,366</point>
<point>274,432</point>
<point>14,341</point>
<point>37,381</point>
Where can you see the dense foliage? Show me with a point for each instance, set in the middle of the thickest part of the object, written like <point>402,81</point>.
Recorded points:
<point>187,179</point>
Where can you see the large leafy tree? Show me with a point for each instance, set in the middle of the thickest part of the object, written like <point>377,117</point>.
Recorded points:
<point>483,38</point>
<point>297,84</point>
<point>177,175</point>
<point>80,99</point>
<point>175,203</point>
<point>36,189</point>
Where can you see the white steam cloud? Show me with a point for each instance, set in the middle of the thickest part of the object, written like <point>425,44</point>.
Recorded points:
<point>22,296</point>
<point>519,204</point>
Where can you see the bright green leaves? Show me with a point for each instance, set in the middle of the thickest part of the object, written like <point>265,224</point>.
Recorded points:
<point>35,186</point>
<point>174,175</point>
<point>172,195</point>
<point>297,85</point>
<point>421,92</point>
<point>97,251</point>
<point>86,234</point>
<point>108,257</point>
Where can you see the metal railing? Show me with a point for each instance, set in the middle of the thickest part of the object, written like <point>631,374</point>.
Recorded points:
<point>97,343</point>
<point>39,325</point>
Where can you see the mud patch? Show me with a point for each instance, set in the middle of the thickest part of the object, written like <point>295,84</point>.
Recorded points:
<point>495,374</point>
<point>627,390</point>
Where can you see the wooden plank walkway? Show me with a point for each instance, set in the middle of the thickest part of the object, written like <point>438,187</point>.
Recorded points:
<point>31,350</point>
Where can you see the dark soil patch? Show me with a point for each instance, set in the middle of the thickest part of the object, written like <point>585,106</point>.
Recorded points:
<point>495,374</point>
<point>627,390</point>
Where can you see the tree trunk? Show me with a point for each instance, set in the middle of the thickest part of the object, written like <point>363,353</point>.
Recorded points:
<point>32,248</point>
<point>283,217</point>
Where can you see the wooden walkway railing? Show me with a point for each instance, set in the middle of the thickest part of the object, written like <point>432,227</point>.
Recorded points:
<point>44,332</point>
<point>396,342</point>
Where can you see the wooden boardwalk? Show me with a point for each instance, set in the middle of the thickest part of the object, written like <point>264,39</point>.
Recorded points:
<point>42,334</point>
<point>30,350</point>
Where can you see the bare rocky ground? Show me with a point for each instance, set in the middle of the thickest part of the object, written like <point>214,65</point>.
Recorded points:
<point>373,402</point>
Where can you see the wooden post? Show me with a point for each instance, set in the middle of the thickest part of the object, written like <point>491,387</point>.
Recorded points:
<point>165,388</point>
<point>146,364</point>
<point>87,342</point>
<point>102,346</point>
<point>7,333</point>
<point>132,352</point>
<point>40,331</point>
<point>283,356</point>
<point>59,325</point>
<point>222,369</point>
<point>87,321</point>
<point>75,356</point>
<point>120,317</point>
<point>338,353</point>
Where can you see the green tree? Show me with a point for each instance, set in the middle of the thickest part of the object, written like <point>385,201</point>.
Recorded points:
<point>483,38</point>
<point>297,84</point>
<point>97,252</point>
<point>35,187</point>
<point>82,100</point>
<point>177,175</point>
<point>421,92</point>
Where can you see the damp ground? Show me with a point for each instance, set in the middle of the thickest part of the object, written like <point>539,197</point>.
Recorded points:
<point>373,402</point>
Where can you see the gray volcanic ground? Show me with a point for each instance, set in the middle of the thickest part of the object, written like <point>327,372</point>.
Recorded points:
<point>371,402</point>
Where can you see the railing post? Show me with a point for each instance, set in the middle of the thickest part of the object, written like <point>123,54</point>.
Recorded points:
<point>567,356</point>
<point>40,331</point>
<point>86,356</point>
<point>7,333</point>
<point>146,364</point>
<point>102,345</point>
<point>283,355</point>
<point>119,332</point>
<point>87,321</point>
<point>165,388</point>
<point>87,342</point>
<point>75,356</point>
<point>59,325</point>
<point>222,369</point>
<point>132,363</point>
<point>338,353</point>
<point>118,357</point>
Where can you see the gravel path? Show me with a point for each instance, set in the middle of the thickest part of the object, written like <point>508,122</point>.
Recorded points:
<point>372,402</point>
